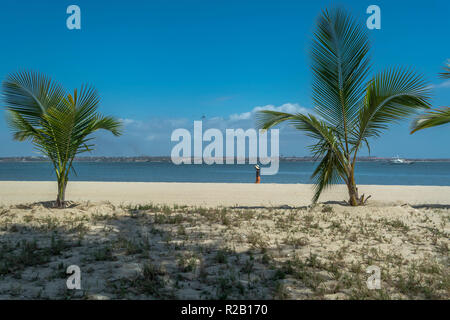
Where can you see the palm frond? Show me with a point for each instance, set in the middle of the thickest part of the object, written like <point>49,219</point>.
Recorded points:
<point>340,65</point>
<point>328,148</point>
<point>21,129</point>
<point>318,129</point>
<point>327,173</point>
<point>107,123</point>
<point>446,73</point>
<point>267,119</point>
<point>432,118</point>
<point>391,96</point>
<point>59,125</point>
<point>309,124</point>
<point>74,121</point>
<point>31,94</point>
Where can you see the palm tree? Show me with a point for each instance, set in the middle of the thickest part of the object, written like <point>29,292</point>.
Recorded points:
<point>58,124</point>
<point>349,109</point>
<point>434,117</point>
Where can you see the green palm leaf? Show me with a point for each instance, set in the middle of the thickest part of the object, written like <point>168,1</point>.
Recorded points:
<point>432,118</point>
<point>446,73</point>
<point>350,109</point>
<point>328,172</point>
<point>391,96</point>
<point>328,149</point>
<point>340,65</point>
<point>59,125</point>
<point>31,94</point>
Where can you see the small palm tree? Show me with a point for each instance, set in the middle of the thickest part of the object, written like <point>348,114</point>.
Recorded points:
<point>349,109</point>
<point>434,117</point>
<point>58,124</point>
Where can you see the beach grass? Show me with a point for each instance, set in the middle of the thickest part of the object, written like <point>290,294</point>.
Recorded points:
<point>153,251</point>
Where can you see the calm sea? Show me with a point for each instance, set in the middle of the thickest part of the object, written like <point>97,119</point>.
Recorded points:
<point>418,173</point>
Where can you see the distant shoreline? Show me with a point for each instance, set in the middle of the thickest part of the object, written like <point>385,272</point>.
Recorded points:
<point>168,159</point>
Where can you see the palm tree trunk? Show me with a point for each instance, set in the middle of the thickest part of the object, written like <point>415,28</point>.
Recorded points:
<point>353,190</point>
<point>61,198</point>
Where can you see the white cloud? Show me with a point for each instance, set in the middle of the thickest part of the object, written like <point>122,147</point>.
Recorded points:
<point>178,122</point>
<point>287,107</point>
<point>241,116</point>
<point>128,122</point>
<point>445,84</point>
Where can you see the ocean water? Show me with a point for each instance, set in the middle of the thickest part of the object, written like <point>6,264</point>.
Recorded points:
<point>418,173</point>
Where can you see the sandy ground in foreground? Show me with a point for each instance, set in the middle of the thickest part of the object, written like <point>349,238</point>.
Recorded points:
<point>222,241</point>
<point>181,252</point>
<point>213,194</point>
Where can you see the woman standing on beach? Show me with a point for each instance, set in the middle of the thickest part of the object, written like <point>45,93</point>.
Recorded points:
<point>258,174</point>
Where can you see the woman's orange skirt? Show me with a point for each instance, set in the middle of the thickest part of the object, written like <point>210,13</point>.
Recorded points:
<point>258,180</point>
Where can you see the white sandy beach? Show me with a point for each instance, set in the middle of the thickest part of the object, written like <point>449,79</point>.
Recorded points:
<point>213,194</point>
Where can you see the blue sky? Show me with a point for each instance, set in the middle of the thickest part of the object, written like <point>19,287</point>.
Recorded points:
<point>160,65</point>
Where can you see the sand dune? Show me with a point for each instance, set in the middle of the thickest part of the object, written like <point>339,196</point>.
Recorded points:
<point>213,194</point>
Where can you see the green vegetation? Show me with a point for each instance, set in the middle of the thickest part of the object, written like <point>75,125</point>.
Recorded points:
<point>349,109</point>
<point>434,117</point>
<point>58,124</point>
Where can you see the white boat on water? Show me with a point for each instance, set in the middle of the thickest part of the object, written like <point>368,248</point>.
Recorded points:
<point>398,160</point>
